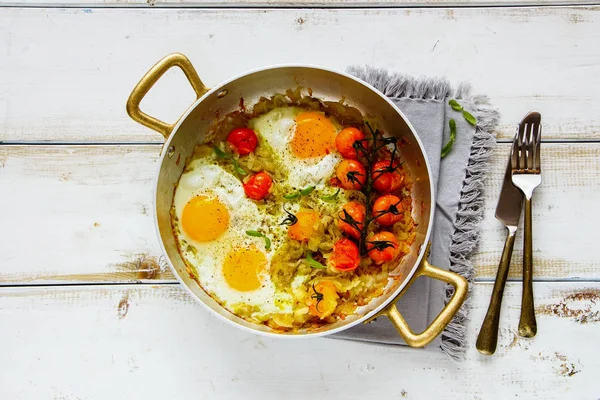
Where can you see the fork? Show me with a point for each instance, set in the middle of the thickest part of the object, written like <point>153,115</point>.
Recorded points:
<point>526,176</point>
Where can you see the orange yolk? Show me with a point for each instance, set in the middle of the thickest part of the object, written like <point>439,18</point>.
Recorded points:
<point>314,136</point>
<point>243,267</point>
<point>204,218</point>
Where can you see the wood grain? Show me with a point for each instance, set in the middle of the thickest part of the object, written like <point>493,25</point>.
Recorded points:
<point>523,58</point>
<point>84,214</point>
<point>286,3</point>
<point>564,215</point>
<point>58,341</point>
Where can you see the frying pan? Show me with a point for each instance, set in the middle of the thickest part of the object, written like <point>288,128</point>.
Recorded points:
<point>183,135</point>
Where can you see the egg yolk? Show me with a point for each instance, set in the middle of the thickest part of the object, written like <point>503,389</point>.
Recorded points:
<point>243,267</point>
<point>314,136</point>
<point>204,218</point>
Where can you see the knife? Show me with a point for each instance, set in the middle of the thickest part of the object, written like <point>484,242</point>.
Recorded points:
<point>508,212</point>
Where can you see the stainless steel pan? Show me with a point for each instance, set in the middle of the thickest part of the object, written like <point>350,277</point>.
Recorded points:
<point>182,136</point>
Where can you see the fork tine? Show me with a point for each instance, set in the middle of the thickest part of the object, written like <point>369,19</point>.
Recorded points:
<point>531,147</point>
<point>531,161</point>
<point>538,140</point>
<point>514,150</point>
<point>522,147</point>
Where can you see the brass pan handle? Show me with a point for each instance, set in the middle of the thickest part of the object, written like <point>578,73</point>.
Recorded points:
<point>443,319</point>
<point>151,77</point>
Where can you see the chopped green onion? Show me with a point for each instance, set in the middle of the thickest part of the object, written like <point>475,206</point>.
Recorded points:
<point>220,153</point>
<point>224,156</point>
<point>262,235</point>
<point>239,170</point>
<point>312,262</point>
<point>448,145</point>
<point>303,192</point>
<point>331,197</point>
<point>470,118</point>
<point>455,106</point>
<point>307,191</point>
<point>291,196</point>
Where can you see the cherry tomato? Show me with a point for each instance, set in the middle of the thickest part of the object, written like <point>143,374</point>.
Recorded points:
<point>305,227</point>
<point>357,211</point>
<point>344,142</point>
<point>322,299</point>
<point>385,181</point>
<point>382,247</point>
<point>345,256</point>
<point>243,140</point>
<point>257,186</point>
<point>352,174</point>
<point>387,210</point>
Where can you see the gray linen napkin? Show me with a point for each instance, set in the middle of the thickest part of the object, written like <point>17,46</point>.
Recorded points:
<point>458,179</point>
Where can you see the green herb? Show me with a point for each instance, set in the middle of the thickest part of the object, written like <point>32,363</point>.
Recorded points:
<point>467,115</point>
<point>290,220</point>
<point>331,197</point>
<point>303,192</point>
<point>470,119</point>
<point>237,168</point>
<point>220,153</point>
<point>224,156</point>
<point>455,106</point>
<point>267,243</point>
<point>448,145</point>
<point>312,262</point>
<point>307,191</point>
<point>262,235</point>
<point>291,196</point>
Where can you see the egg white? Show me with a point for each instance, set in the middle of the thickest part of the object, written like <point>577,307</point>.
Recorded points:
<point>277,129</point>
<point>202,178</point>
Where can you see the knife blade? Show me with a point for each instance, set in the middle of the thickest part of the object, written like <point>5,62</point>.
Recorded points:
<point>508,211</point>
<point>510,202</point>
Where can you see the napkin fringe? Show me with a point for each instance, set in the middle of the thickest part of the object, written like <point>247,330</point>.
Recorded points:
<point>470,211</point>
<point>400,86</point>
<point>467,225</point>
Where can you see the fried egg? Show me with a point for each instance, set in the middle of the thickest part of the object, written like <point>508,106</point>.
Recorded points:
<point>303,143</point>
<point>212,218</point>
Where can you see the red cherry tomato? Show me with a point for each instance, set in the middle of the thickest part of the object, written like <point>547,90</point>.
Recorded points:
<point>351,174</point>
<point>385,181</point>
<point>344,142</point>
<point>243,140</point>
<point>357,211</point>
<point>382,247</point>
<point>257,186</point>
<point>388,210</point>
<point>345,255</point>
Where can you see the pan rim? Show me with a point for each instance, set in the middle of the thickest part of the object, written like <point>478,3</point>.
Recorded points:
<point>297,335</point>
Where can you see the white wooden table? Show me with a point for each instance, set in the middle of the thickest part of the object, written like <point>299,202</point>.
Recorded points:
<point>87,309</point>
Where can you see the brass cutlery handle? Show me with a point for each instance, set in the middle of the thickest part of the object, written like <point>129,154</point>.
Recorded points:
<point>527,322</point>
<point>488,334</point>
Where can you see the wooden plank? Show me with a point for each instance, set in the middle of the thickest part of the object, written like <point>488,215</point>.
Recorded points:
<point>57,341</point>
<point>286,3</point>
<point>566,199</point>
<point>85,215</point>
<point>92,62</point>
